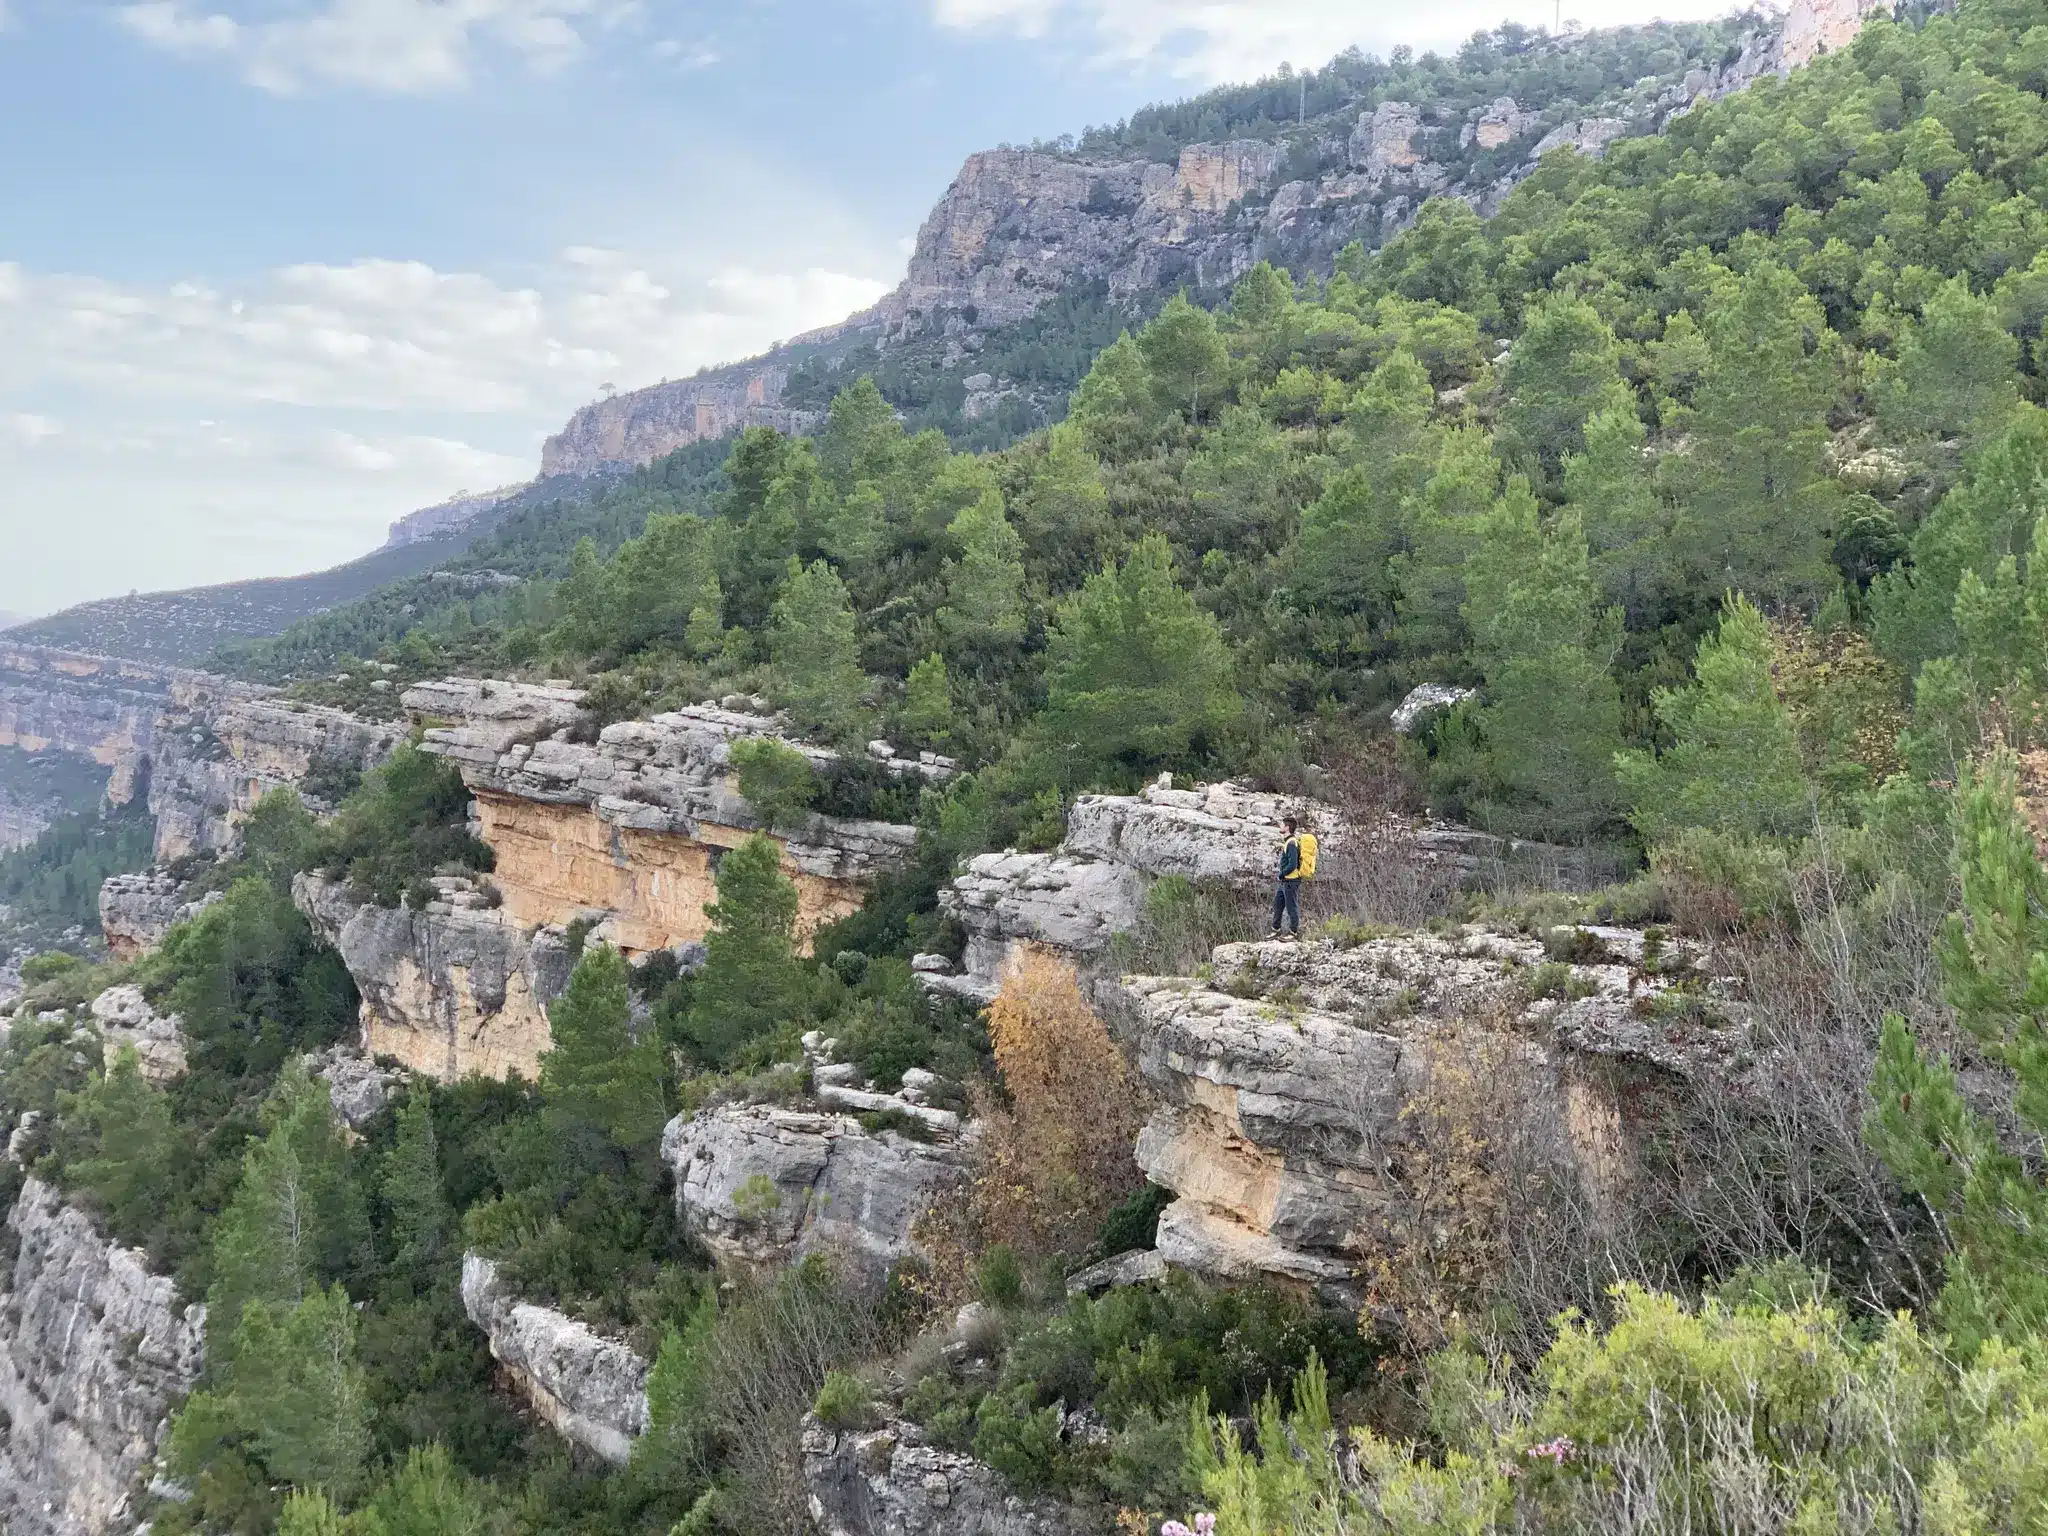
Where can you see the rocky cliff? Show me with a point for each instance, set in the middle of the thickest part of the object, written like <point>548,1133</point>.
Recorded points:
<point>94,1352</point>
<point>222,750</point>
<point>97,707</point>
<point>589,1389</point>
<point>1290,1078</point>
<point>136,911</point>
<point>456,989</point>
<point>632,825</point>
<point>644,424</point>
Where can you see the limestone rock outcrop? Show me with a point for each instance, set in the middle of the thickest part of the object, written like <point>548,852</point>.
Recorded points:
<point>1092,887</point>
<point>94,1352</point>
<point>644,424</point>
<point>633,823</point>
<point>892,1482</point>
<point>459,988</point>
<point>763,1185</point>
<point>93,706</point>
<point>590,1389</point>
<point>1815,27</point>
<point>213,760</point>
<point>136,911</point>
<point>126,1019</point>
<point>1282,1080</point>
<point>356,1086</point>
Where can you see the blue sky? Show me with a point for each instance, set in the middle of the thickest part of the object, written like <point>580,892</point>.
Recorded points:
<point>274,272</point>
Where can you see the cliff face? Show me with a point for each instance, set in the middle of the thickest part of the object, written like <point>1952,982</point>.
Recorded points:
<point>220,753</point>
<point>458,989</point>
<point>94,1353</point>
<point>91,706</point>
<point>893,1482</point>
<point>642,425</point>
<point>1288,1081</point>
<point>633,824</point>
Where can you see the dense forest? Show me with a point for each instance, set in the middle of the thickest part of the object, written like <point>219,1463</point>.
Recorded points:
<point>1715,470</point>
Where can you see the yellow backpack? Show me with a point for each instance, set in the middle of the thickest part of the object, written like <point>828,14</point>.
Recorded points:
<point>1308,855</point>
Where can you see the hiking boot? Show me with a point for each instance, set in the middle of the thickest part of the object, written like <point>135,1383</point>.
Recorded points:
<point>1275,934</point>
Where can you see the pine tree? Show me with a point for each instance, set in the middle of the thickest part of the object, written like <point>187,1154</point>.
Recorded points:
<point>1564,368</point>
<point>984,604</point>
<point>928,702</point>
<point>672,1453</point>
<point>1955,373</point>
<point>1136,674</point>
<point>413,1192</point>
<point>595,1080</point>
<point>814,650</point>
<point>1734,763</point>
<point>1552,717</point>
<point>298,1390</point>
<point>310,1514</point>
<point>1185,357</point>
<point>1062,511</point>
<point>294,1219</point>
<point>1994,962</point>
<point>131,1121</point>
<point>427,1496</point>
<point>750,985</point>
<point>860,437</point>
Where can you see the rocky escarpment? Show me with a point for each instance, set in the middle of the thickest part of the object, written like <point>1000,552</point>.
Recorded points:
<point>94,1352</point>
<point>456,989</point>
<point>632,824</point>
<point>90,706</point>
<point>220,753</point>
<point>640,426</point>
<point>893,1482</point>
<point>590,1389</point>
<point>763,1185</point>
<point>1285,1079</point>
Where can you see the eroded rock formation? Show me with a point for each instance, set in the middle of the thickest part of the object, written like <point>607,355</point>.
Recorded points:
<point>94,1352</point>
<point>764,1185</point>
<point>1284,1079</point>
<point>456,989</point>
<point>126,1019</point>
<point>588,1388</point>
<point>643,424</point>
<point>893,1482</point>
<point>136,911</point>
<point>633,823</point>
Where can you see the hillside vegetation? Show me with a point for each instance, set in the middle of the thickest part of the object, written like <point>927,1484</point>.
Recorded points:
<point>1715,469</point>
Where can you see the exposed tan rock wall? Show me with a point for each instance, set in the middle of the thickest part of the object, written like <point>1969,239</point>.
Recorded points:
<point>454,991</point>
<point>93,706</point>
<point>643,424</point>
<point>1815,27</point>
<point>558,862</point>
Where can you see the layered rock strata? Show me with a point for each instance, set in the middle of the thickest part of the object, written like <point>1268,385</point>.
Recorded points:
<point>1075,899</point>
<point>1285,1079</point>
<point>94,1352</point>
<point>93,706</point>
<point>459,988</point>
<point>633,824</point>
<point>763,1185</point>
<point>892,1482</point>
<point>590,1389</point>
<point>214,760</point>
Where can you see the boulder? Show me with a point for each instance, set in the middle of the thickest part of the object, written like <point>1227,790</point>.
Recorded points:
<point>764,1185</point>
<point>891,1482</point>
<point>126,1018</point>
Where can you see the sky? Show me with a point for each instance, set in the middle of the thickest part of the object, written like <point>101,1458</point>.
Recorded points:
<point>276,272</point>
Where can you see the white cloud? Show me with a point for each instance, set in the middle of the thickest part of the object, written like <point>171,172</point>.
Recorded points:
<point>155,436</point>
<point>409,46</point>
<point>1207,41</point>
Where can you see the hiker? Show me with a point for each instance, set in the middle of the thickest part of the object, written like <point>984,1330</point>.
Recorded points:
<point>1287,893</point>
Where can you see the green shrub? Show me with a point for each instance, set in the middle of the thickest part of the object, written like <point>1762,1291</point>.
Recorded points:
<point>776,780</point>
<point>1001,1277</point>
<point>844,1402</point>
<point>1020,1442</point>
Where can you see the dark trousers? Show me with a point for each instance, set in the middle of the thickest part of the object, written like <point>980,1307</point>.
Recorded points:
<point>1287,901</point>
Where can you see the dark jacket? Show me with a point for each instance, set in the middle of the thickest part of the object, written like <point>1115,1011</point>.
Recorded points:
<point>1290,860</point>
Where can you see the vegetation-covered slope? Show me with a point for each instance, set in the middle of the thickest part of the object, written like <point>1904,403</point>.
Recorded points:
<point>1716,470</point>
